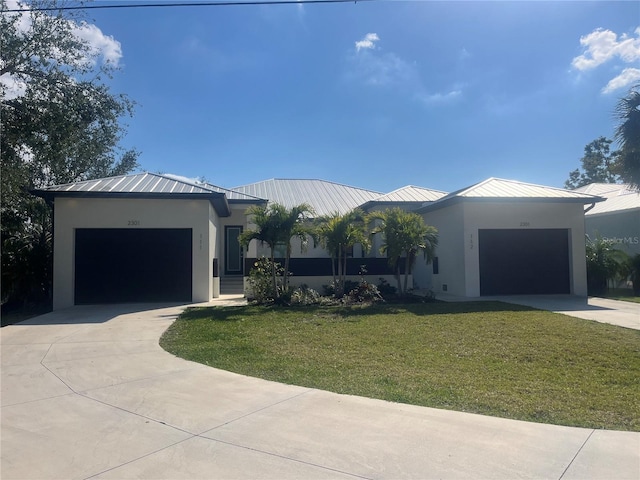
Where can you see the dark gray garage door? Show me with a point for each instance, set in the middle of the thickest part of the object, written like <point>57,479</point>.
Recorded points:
<point>127,265</point>
<point>524,262</point>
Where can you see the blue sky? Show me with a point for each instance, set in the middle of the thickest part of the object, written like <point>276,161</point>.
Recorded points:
<point>377,95</point>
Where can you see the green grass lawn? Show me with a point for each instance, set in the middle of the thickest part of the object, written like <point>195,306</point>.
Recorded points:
<point>483,357</point>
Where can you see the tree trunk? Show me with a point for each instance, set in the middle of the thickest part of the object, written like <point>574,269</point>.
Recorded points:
<point>340,284</point>
<point>406,273</point>
<point>398,279</point>
<point>286,267</point>
<point>273,273</point>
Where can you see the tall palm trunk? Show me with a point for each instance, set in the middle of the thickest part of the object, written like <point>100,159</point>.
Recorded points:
<point>340,284</point>
<point>273,272</point>
<point>286,267</point>
<point>399,279</point>
<point>406,272</point>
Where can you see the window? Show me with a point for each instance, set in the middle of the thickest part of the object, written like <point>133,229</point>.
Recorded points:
<point>280,251</point>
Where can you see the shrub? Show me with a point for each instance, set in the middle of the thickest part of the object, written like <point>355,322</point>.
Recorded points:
<point>303,295</point>
<point>385,288</point>
<point>604,263</point>
<point>365,292</point>
<point>330,290</point>
<point>261,281</point>
<point>633,266</point>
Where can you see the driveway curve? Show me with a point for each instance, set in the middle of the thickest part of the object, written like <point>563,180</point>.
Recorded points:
<point>87,392</point>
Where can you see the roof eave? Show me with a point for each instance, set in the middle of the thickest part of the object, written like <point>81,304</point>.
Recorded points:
<point>455,200</point>
<point>217,200</point>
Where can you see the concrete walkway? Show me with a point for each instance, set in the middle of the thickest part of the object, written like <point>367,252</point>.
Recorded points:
<point>88,393</point>
<point>604,310</point>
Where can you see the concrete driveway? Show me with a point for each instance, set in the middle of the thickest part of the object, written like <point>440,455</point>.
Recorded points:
<point>88,393</point>
<point>604,310</point>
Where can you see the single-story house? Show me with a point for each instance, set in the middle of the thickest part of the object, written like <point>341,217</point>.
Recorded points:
<point>149,237</point>
<point>617,218</point>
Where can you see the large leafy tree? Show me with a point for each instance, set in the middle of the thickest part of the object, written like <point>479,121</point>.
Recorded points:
<point>277,225</point>
<point>599,165</point>
<point>627,135</point>
<point>60,124</point>
<point>338,233</point>
<point>404,234</point>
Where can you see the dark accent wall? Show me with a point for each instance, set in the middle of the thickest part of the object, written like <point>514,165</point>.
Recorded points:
<point>320,267</point>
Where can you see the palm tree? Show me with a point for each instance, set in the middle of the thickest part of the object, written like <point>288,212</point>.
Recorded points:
<point>604,263</point>
<point>628,136</point>
<point>338,234</point>
<point>277,225</point>
<point>404,234</point>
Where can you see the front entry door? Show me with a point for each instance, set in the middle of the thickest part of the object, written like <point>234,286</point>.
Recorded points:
<point>233,251</point>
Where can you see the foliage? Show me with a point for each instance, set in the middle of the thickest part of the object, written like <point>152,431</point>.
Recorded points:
<point>331,289</point>
<point>385,289</point>
<point>633,270</point>
<point>60,124</point>
<point>365,292</point>
<point>303,295</point>
<point>404,234</point>
<point>484,357</point>
<point>627,135</point>
<point>598,165</point>
<point>604,263</point>
<point>260,281</point>
<point>277,225</point>
<point>338,234</point>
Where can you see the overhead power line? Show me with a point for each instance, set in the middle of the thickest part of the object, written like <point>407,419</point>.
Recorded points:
<point>179,4</point>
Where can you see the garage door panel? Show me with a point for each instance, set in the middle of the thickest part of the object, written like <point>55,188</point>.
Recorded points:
<point>518,262</point>
<point>127,265</point>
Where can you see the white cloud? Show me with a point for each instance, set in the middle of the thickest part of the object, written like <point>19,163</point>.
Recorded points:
<point>100,45</point>
<point>628,77</point>
<point>387,70</point>
<point>439,97</point>
<point>367,42</point>
<point>603,45</point>
<point>24,21</point>
<point>11,87</point>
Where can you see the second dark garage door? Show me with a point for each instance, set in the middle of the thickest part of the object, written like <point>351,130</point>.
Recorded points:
<point>524,262</point>
<point>132,265</point>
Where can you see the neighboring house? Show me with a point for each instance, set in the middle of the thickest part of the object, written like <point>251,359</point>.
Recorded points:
<point>617,218</point>
<point>147,237</point>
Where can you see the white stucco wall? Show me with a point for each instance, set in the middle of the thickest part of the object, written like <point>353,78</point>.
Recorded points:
<point>73,213</point>
<point>458,227</point>
<point>449,222</point>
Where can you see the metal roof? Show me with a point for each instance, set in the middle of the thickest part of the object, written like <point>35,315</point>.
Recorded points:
<point>411,193</point>
<point>500,189</point>
<point>135,183</point>
<point>141,185</point>
<point>233,196</point>
<point>325,197</point>
<point>618,198</point>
